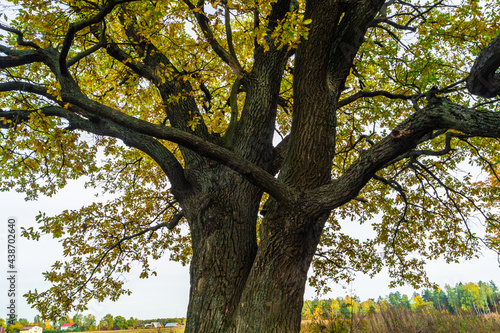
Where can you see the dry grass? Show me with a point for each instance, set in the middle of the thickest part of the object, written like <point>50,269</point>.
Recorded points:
<point>396,320</point>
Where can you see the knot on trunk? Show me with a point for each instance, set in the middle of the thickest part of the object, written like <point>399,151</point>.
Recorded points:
<point>398,133</point>
<point>484,78</point>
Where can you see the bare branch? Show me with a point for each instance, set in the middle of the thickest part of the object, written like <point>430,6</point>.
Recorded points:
<point>363,94</point>
<point>26,87</point>
<point>414,97</point>
<point>376,23</point>
<point>96,47</point>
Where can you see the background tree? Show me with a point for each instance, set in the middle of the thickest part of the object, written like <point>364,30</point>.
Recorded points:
<point>361,108</point>
<point>120,322</point>
<point>89,322</point>
<point>109,320</point>
<point>132,322</point>
<point>102,325</point>
<point>78,319</point>
<point>24,321</point>
<point>15,328</point>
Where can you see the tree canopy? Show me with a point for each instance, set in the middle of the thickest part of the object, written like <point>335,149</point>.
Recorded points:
<point>241,136</point>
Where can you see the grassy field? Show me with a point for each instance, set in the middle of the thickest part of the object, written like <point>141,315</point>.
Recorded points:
<point>394,320</point>
<point>391,320</point>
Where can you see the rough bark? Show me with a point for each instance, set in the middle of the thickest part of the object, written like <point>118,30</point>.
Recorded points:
<point>222,219</point>
<point>275,288</point>
<point>484,79</point>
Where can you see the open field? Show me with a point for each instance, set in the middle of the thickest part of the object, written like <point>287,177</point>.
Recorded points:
<point>146,330</point>
<point>394,320</point>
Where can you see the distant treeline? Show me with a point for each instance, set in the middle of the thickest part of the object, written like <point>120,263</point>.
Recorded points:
<point>88,322</point>
<point>480,298</point>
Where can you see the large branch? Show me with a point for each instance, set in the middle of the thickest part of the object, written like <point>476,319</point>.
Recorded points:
<point>250,171</point>
<point>439,114</point>
<point>70,93</point>
<point>350,36</point>
<point>16,58</point>
<point>26,87</point>
<point>362,94</point>
<point>484,78</point>
<point>116,122</point>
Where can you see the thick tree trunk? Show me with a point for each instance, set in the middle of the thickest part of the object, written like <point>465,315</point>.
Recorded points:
<point>223,231</point>
<point>273,295</point>
<point>235,286</point>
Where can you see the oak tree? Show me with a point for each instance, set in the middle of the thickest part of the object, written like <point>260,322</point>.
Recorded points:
<point>242,136</point>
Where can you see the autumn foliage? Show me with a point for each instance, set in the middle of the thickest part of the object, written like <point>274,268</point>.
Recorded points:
<point>245,137</point>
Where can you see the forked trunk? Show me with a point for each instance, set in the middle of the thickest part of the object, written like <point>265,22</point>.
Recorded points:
<point>223,232</point>
<point>236,287</point>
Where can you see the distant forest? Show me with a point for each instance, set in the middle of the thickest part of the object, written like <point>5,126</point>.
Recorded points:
<point>480,298</point>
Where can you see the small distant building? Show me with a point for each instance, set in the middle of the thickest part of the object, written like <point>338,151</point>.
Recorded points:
<point>31,329</point>
<point>172,325</point>
<point>153,324</point>
<point>68,326</point>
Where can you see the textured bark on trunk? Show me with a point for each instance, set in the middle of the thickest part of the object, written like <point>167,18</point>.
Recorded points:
<point>234,286</point>
<point>484,78</point>
<point>274,292</point>
<point>222,219</point>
